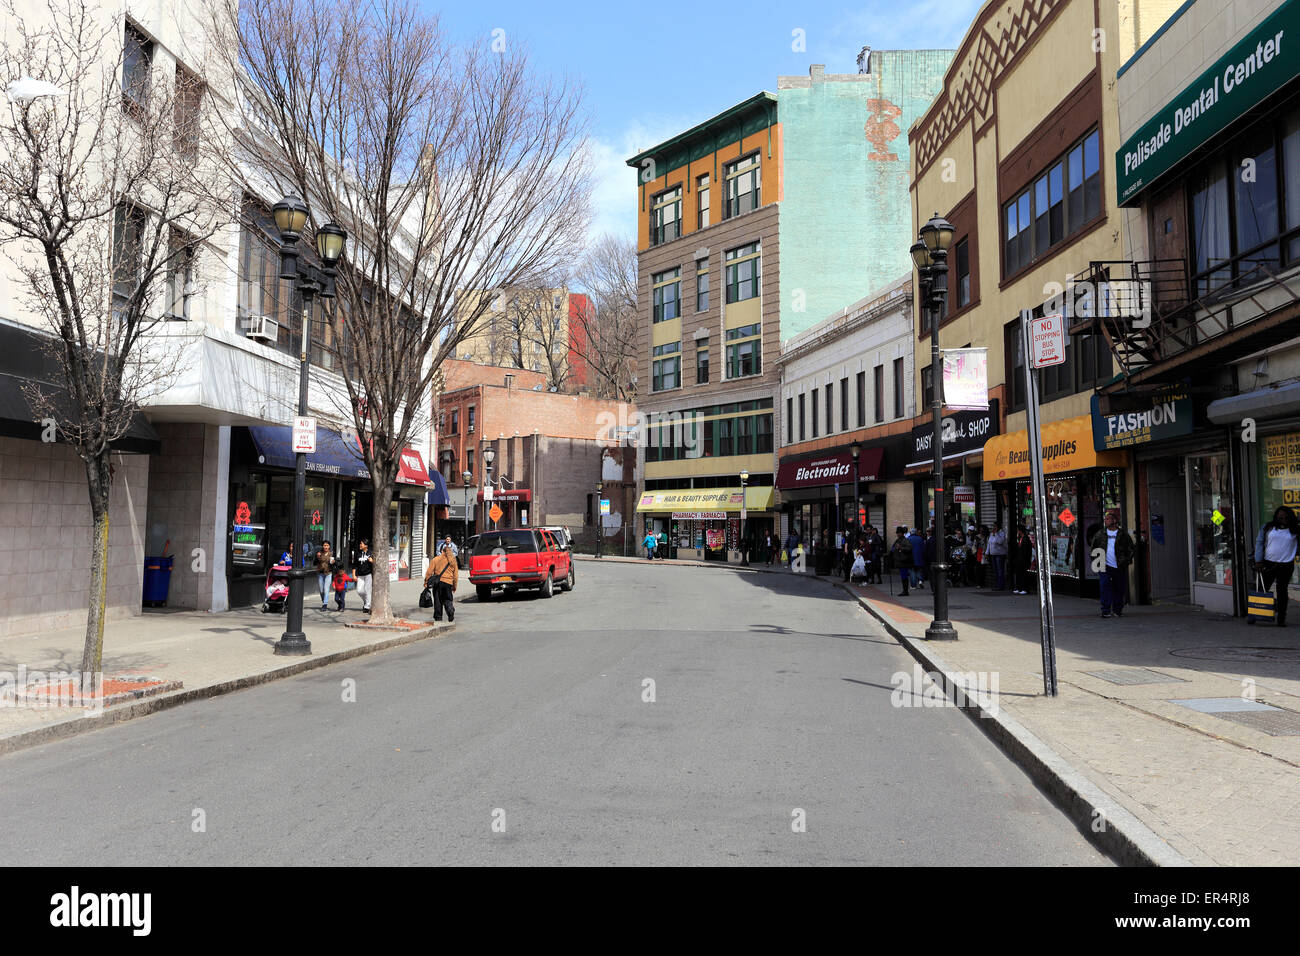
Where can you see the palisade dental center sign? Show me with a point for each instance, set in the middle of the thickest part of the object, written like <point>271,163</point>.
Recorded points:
<point>1260,63</point>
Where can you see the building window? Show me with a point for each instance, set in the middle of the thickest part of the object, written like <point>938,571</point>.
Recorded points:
<point>927,385</point>
<point>469,462</point>
<point>898,388</point>
<point>762,434</point>
<point>702,285</point>
<point>814,413</point>
<point>962,259</point>
<point>137,61</point>
<point>801,418</point>
<point>189,97</point>
<point>702,200</point>
<point>469,420</point>
<point>789,421</point>
<point>128,253</point>
<point>1014,351</point>
<point>844,404</point>
<point>724,437</point>
<point>862,399</point>
<point>702,367</point>
<point>830,407</point>
<point>180,275</point>
<point>744,351</point>
<point>666,216</point>
<point>667,370</point>
<point>455,422</point>
<point>260,291</point>
<point>742,272</point>
<point>1043,215</point>
<point>744,436</point>
<point>880,393</point>
<point>667,290</point>
<point>742,186</point>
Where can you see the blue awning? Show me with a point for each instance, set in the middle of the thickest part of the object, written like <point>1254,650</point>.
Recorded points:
<point>333,455</point>
<point>438,493</point>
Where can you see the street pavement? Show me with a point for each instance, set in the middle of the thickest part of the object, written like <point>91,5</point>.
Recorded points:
<point>527,736</point>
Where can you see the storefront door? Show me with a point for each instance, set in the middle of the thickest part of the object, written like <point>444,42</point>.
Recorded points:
<point>1211,520</point>
<point>399,541</point>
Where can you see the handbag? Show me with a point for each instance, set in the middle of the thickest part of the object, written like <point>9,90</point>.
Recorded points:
<point>1260,604</point>
<point>426,597</point>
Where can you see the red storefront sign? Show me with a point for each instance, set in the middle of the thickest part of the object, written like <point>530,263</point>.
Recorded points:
<point>829,469</point>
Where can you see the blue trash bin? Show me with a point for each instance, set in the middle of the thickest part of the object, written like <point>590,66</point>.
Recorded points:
<point>157,580</point>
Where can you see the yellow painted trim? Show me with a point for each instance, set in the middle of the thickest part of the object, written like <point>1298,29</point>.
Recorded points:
<point>1067,446</point>
<point>661,333</point>
<point>738,314</point>
<point>707,499</point>
<point>695,467</point>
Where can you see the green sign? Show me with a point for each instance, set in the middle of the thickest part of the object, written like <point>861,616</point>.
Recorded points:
<point>1262,62</point>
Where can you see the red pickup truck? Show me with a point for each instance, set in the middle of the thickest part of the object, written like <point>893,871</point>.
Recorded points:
<point>518,558</point>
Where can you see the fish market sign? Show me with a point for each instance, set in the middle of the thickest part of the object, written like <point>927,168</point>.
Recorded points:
<point>1261,63</point>
<point>1168,415</point>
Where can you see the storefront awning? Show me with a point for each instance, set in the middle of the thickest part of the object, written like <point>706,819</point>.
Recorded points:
<point>334,455</point>
<point>829,468</point>
<point>1067,446</point>
<point>708,499</point>
<point>411,470</point>
<point>508,495</point>
<point>438,493</point>
<point>1279,401</point>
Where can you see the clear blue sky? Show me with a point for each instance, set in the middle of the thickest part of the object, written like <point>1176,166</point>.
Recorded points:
<point>641,88</point>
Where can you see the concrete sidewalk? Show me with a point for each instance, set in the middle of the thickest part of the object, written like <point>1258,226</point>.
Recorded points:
<point>1216,776</point>
<point>210,653</point>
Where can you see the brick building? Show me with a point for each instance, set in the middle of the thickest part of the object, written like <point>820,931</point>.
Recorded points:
<point>550,449</point>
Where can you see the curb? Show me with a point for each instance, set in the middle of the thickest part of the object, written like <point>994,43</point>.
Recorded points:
<point>716,565</point>
<point>74,726</point>
<point>1125,839</point>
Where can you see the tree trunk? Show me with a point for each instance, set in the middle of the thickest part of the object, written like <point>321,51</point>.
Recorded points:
<point>92,655</point>
<point>380,610</point>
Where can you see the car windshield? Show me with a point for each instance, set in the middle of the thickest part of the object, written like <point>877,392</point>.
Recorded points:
<point>508,541</point>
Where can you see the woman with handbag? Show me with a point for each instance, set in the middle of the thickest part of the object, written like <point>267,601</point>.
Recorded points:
<point>1275,551</point>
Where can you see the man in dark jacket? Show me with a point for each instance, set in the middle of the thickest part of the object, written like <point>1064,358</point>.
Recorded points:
<point>1113,546</point>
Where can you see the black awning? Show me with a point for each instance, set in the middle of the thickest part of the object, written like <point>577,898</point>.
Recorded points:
<point>18,420</point>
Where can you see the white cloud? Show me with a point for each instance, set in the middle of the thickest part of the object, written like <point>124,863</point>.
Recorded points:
<point>929,25</point>
<point>614,197</point>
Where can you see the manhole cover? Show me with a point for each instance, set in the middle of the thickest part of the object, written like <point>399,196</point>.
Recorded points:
<point>1275,723</point>
<point>1284,654</point>
<point>1222,705</point>
<point>1136,675</point>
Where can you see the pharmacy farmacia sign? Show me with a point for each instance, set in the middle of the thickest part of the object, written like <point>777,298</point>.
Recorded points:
<point>1261,62</point>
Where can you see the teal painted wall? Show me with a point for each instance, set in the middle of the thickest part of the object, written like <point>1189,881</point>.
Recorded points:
<point>846,221</point>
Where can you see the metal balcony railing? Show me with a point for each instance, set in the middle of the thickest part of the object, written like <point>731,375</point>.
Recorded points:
<point>1147,316</point>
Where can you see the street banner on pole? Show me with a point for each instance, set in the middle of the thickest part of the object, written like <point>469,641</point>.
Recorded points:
<point>1046,614</point>
<point>966,379</point>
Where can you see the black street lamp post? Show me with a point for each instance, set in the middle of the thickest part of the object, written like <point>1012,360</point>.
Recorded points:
<point>744,545</point>
<point>468,478</point>
<point>855,449</point>
<point>600,519</point>
<point>489,456</point>
<point>930,255</point>
<point>291,215</point>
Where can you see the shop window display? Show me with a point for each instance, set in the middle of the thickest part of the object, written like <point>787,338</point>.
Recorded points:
<point>1212,519</point>
<point>1278,484</point>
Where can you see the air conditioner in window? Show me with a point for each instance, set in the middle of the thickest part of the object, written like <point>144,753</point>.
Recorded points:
<point>261,327</point>
<point>470,430</point>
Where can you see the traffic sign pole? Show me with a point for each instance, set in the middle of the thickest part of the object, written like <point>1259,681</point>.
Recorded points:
<point>1046,612</point>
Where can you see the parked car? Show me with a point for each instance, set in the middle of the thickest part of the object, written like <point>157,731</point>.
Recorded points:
<point>562,536</point>
<point>518,558</point>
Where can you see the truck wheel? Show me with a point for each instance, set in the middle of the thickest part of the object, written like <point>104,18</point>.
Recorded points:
<point>548,586</point>
<point>484,592</point>
<point>568,583</point>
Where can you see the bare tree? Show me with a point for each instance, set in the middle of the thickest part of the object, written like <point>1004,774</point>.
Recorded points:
<point>106,190</point>
<point>606,334</point>
<point>451,168</point>
<point>533,329</point>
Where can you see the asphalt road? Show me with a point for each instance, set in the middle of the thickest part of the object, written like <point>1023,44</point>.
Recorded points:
<point>525,738</point>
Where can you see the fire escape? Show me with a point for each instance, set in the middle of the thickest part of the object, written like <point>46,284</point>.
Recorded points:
<point>1156,331</point>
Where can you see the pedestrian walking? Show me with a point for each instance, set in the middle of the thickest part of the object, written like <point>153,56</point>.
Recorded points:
<point>769,548</point>
<point>1275,551</point>
<point>1022,560</point>
<point>916,570</point>
<point>325,563</point>
<point>341,589</point>
<point>455,551</point>
<point>902,554</point>
<point>363,565</point>
<point>996,551</point>
<point>286,557</point>
<point>443,576</point>
<point>650,542</point>
<point>1115,542</point>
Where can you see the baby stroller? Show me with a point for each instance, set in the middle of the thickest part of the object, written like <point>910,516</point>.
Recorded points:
<point>277,588</point>
<point>957,566</point>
